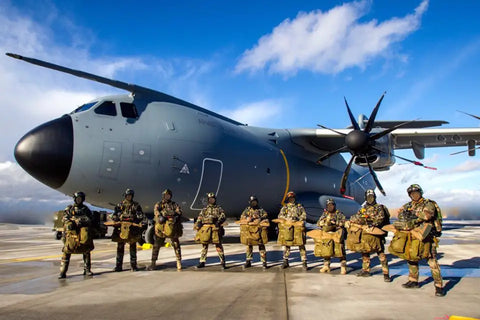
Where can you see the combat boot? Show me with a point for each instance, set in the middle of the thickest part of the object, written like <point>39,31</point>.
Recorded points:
<point>152,266</point>
<point>133,267</point>
<point>304,265</point>
<point>343,267</point>
<point>200,265</point>
<point>223,264</point>
<point>119,263</point>
<point>325,268</point>
<point>247,264</point>
<point>364,273</point>
<point>87,262</point>
<point>285,264</point>
<point>63,269</point>
<point>179,264</point>
<point>439,292</point>
<point>411,285</point>
<point>386,277</point>
<point>264,265</point>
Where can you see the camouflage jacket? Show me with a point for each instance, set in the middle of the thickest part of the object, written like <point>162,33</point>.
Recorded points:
<point>254,213</point>
<point>212,214</point>
<point>331,218</point>
<point>167,209</point>
<point>128,211</point>
<point>74,211</point>
<point>372,214</point>
<point>426,210</point>
<point>293,212</point>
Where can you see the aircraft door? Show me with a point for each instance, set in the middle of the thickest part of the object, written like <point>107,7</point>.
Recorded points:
<point>210,181</point>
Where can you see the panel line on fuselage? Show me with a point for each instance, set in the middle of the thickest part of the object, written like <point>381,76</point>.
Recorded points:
<point>288,176</point>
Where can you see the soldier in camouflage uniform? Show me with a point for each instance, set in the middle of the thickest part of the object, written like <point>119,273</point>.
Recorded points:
<point>78,209</point>
<point>376,215</point>
<point>293,211</point>
<point>211,214</point>
<point>163,211</point>
<point>131,211</point>
<point>427,212</point>
<point>332,219</point>
<point>251,213</point>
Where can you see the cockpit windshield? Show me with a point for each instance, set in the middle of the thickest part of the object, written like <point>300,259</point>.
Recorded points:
<point>85,107</point>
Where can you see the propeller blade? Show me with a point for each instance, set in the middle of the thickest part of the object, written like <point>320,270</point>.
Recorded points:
<point>463,151</point>
<point>374,175</point>
<point>337,132</point>
<point>417,163</point>
<point>331,153</point>
<point>345,176</point>
<point>471,115</point>
<point>371,120</point>
<point>352,118</point>
<point>387,131</point>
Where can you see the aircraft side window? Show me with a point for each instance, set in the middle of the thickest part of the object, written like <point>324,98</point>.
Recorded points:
<point>128,110</point>
<point>85,107</point>
<point>106,108</point>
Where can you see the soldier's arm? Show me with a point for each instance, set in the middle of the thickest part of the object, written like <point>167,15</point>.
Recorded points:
<point>303,214</point>
<point>178,210</point>
<point>67,215</point>
<point>321,220</point>
<point>282,213</point>
<point>379,217</point>
<point>264,215</point>
<point>428,212</point>
<point>244,214</point>
<point>222,217</point>
<point>340,219</point>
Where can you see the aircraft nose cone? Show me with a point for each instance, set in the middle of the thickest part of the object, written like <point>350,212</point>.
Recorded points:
<point>46,152</point>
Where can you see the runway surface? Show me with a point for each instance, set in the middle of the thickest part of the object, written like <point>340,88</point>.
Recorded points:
<point>29,288</point>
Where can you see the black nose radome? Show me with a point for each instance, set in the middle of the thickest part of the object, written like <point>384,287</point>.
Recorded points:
<point>46,152</point>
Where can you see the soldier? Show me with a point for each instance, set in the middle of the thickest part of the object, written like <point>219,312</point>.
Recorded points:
<point>333,220</point>
<point>212,214</point>
<point>255,213</point>
<point>373,214</point>
<point>428,213</point>
<point>77,217</point>
<point>293,211</point>
<point>128,211</point>
<point>168,224</point>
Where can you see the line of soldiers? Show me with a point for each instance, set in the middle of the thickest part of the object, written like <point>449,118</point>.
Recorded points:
<point>364,233</point>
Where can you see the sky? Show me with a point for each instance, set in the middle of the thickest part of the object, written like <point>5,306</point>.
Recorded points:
<point>278,64</point>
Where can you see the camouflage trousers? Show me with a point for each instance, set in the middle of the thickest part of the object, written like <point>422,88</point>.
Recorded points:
<point>434,268</point>
<point>343,258</point>
<point>261,248</point>
<point>383,261</point>
<point>87,260</point>
<point>121,252</point>
<point>159,242</point>
<point>303,252</point>
<point>203,254</point>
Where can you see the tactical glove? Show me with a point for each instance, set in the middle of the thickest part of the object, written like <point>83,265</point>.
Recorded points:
<point>161,219</point>
<point>199,224</point>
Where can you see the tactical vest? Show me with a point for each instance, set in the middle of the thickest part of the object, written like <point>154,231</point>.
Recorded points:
<point>78,237</point>
<point>172,227</point>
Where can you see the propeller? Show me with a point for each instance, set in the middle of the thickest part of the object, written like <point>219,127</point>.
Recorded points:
<point>470,149</point>
<point>361,143</point>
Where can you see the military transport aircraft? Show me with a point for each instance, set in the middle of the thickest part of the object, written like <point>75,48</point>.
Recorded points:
<point>148,140</point>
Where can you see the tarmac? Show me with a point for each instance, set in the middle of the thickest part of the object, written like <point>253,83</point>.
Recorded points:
<point>29,288</point>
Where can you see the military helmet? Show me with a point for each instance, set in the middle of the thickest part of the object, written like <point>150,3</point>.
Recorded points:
<point>415,187</point>
<point>253,198</point>
<point>331,201</point>
<point>211,195</point>
<point>79,194</point>
<point>167,191</point>
<point>291,194</point>
<point>370,192</point>
<point>129,191</point>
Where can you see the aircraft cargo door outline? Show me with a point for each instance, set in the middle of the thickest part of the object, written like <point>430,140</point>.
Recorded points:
<point>212,170</point>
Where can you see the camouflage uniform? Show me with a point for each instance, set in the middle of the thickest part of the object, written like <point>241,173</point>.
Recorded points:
<point>129,211</point>
<point>212,214</point>
<point>164,210</point>
<point>70,214</point>
<point>427,211</point>
<point>376,215</point>
<point>335,220</point>
<point>255,213</point>
<point>293,212</point>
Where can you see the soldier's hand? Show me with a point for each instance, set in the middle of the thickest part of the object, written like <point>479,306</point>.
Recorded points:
<point>161,219</point>
<point>199,224</point>
<point>217,224</point>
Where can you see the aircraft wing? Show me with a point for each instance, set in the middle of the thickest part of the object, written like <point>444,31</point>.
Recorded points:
<point>322,141</point>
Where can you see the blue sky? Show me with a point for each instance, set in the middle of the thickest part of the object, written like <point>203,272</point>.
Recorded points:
<point>269,63</point>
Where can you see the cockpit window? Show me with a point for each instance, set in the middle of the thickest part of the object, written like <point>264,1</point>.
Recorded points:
<point>128,110</point>
<point>106,108</point>
<point>85,107</point>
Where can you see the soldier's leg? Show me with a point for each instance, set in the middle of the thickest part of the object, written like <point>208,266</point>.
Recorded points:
<point>343,261</point>
<point>64,265</point>
<point>326,265</point>
<point>157,244</point>
<point>436,274</point>
<point>263,254</point>
<point>119,260</point>
<point>221,254</point>
<point>412,275</point>
<point>87,264</point>
<point>203,256</point>
<point>286,254</point>
<point>178,252</point>
<point>303,256</point>
<point>248,256</point>
<point>384,262</point>
<point>133,256</point>
<point>365,266</point>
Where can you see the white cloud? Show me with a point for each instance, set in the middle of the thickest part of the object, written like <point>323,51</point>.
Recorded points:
<point>328,42</point>
<point>256,113</point>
